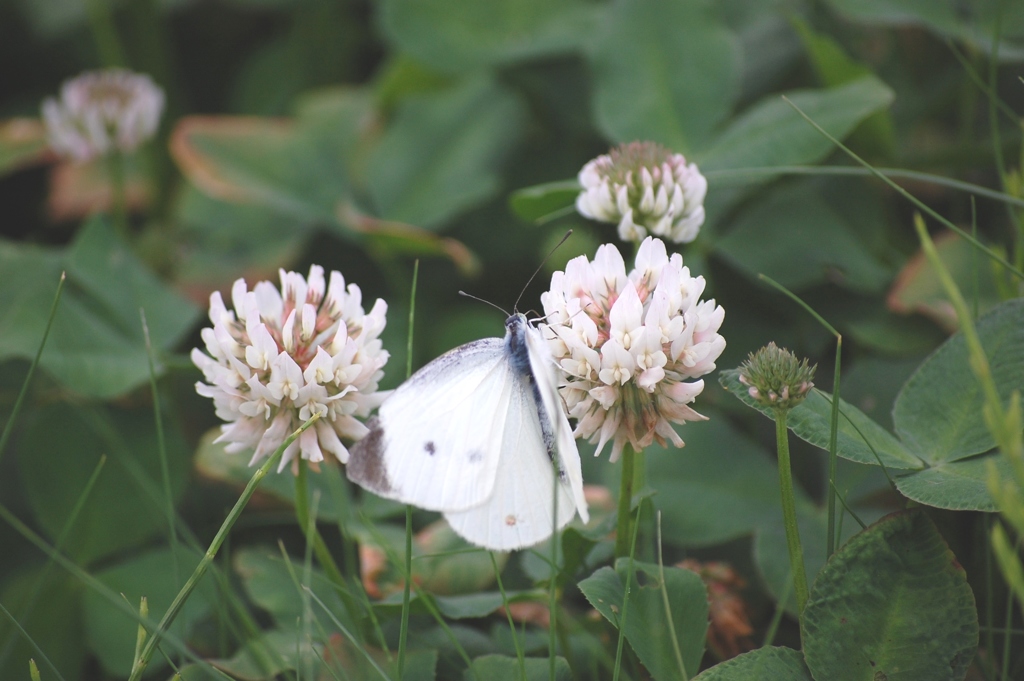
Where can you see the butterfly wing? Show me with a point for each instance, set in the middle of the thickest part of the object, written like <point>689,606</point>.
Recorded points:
<point>436,441</point>
<point>542,365</point>
<point>518,511</point>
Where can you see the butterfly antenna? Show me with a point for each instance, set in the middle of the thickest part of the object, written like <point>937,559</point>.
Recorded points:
<point>541,265</point>
<point>486,302</point>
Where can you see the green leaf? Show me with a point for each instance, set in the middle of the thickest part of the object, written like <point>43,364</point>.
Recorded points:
<point>772,556</point>
<point>663,71</point>
<point>938,414</point>
<point>893,603</point>
<point>835,67</point>
<point>266,162</point>
<point>763,664</point>
<point>443,151</point>
<point>539,201</point>
<point>347,660</point>
<point>454,35</point>
<point>22,142</point>
<point>58,453</point>
<point>772,133</point>
<point>111,633</point>
<point>647,626</point>
<point>224,241</point>
<point>96,346</point>
<point>918,289</point>
<point>955,485</point>
<point>269,584</point>
<point>794,224</point>
<point>720,487</point>
<point>505,668</point>
<point>975,27</point>
<point>268,656</point>
<point>859,438</point>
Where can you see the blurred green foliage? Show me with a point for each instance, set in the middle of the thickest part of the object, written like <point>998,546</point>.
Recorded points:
<point>361,135</point>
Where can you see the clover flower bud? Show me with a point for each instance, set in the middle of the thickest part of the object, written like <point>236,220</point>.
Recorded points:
<point>644,188</point>
<point>268,372</point>
<point>102,111</point>
<point>776,378</point>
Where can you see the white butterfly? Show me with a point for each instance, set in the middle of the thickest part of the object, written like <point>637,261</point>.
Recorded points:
<point>474,434</point>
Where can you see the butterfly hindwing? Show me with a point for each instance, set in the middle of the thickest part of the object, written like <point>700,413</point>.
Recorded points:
<point>543,367</point>
<point>480,435</point>
<point>518,512</point>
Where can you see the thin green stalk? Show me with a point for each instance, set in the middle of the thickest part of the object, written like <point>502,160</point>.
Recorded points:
<point>993,122</point>
<point>623,530</point>
<point>1008,622</point>
<point>796,553</point>
<point>846,507</point>
<point>833,454</point>
<point>94,584</point>
<point>508,613</point>
<point>31,641</point>
<point>553,580</point>
<point>211,552</point>
<point>833,439</point>
<point>140,635</point>
<point>990,642</point>
<point>348,634</point>
<point>165,472</point>
<point>1003,107</point>
<point>104,32</point>
<point>403,632</point>
<point>894,173</point>
<point>323,554</point>
<point>307,580</point>
<point>780,610</point>
<point>424,598</point>
<point>40,579</point>
<point>668,609</point>
<point>910,197</point>
<point>9,426</point>
<point>625,598</point>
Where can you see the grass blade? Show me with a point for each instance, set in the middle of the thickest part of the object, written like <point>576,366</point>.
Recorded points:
<point>9,427</point>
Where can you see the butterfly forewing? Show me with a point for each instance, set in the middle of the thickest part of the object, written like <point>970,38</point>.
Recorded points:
<point>436,440</point>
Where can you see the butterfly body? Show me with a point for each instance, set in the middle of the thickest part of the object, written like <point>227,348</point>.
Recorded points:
<point>480,435</point>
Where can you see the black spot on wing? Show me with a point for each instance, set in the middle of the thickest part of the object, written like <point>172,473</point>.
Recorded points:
<point>430,448</point>
<point>366,460</point>
<point>476,456</point>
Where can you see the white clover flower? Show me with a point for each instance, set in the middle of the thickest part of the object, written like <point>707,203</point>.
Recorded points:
<point>276,360</point>
<point>628,344</point>
<point>102,111</point>
<point>645,188</point>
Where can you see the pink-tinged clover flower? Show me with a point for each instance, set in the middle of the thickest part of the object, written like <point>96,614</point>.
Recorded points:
<point>102,111</point>
<point>645,189</point>
<point>629,345</point>
<point>278,358</point>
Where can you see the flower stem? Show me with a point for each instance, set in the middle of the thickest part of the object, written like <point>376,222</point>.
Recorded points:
<point>119,203</point>
<point>323,554</point>
<point>628,483</point>
<point>796,552</point>
<point>211,552</point>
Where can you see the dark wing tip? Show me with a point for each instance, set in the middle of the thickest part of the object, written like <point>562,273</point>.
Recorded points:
<point>366,460</point>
